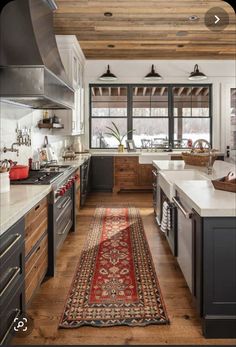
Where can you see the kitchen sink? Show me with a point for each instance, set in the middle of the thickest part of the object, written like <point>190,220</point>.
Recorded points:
<point>168,178</point>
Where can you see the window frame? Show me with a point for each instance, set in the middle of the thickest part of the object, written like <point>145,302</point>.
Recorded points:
<point>170,89</point>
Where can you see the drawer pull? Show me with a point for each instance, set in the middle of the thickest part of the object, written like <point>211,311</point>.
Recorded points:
<point>16,272</point>
<point>17,238</point>
<point>11,325</point>
<point>38,249</point>
<point>37,207</point>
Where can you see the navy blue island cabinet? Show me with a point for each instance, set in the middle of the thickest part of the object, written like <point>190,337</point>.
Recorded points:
<point>214,274</point>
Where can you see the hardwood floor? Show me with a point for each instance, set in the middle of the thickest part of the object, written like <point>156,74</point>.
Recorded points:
<point>47,305</point>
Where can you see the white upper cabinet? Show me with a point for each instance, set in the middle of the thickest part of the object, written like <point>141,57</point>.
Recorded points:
<point>73,60</point>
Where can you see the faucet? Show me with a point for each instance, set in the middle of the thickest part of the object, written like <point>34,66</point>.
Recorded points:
<point>12,149</point>
<point>210,163</point>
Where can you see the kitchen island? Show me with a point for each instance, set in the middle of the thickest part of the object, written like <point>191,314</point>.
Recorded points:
<point>205,241</point>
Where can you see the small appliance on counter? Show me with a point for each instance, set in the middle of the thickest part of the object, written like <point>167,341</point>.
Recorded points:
<point>69,154</point>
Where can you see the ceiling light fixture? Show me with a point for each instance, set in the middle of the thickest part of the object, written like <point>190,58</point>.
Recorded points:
<point>153,75</point>
<point>108,14</point>
<point>108,76</point>
<point>193,18</point>
<point>196,75</point>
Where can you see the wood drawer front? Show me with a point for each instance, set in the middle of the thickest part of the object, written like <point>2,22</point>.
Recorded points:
<point>126,181</point>
<point>35,268</point>
<point>34,212</point>
<point>36,228</point>
<point>125,160</point>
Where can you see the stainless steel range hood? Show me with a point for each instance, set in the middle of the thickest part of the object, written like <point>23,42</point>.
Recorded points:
<point>31,71</point>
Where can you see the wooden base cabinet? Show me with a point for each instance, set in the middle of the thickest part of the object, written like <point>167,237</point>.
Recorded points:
<point>130,175</point>
<point>214,274</point>
<point>36,247</point>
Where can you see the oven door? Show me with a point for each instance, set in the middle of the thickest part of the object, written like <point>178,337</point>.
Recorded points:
<point>63,218</point>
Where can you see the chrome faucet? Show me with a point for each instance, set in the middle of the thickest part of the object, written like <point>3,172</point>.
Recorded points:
<point>210,163</point>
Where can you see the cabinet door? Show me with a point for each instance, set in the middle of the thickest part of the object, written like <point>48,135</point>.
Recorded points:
<point>197,260</point>
<point>102,173</point>
<point>145,175</point>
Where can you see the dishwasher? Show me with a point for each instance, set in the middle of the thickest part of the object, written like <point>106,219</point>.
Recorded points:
<point>184,230</point>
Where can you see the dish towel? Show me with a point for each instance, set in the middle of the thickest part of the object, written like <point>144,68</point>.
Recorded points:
<point>166,218</point>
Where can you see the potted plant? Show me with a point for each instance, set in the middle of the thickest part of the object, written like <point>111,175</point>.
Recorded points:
<point>117,135</point>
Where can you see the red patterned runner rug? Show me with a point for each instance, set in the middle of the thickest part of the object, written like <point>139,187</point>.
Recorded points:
<point>115,282</point>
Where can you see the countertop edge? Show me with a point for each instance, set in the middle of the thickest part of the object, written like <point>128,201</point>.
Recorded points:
<point>19,214</point>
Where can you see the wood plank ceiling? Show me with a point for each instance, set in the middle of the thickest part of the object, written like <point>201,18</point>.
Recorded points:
<point>143,29</point>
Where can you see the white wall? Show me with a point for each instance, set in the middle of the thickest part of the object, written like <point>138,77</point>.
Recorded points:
<point>220,73</point>
<point>10,117</point>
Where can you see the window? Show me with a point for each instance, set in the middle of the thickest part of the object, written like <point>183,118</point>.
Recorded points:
<point>160,115</point>
<point>191,115</point>
<point>109,104</point>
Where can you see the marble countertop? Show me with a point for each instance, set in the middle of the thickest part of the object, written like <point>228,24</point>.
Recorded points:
<point>220,168</point>
<point>21,198</point>
<point>18,201</point>
<point>201,194</point>
<point>77,162</point>
<point>206,200</point>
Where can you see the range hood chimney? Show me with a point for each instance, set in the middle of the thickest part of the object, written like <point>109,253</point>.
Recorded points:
<point>31,70</point>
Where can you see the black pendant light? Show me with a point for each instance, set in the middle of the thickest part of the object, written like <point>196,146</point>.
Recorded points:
<point>153,75</point>
<point>108,76</point>
<point>196,75</point>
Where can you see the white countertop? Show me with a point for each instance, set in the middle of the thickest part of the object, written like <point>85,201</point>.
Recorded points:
<point>77,162</point>
<point>201,194</point>
<point>220,168</point>
<point>206,200</point>
<point>21,198</point>
<point>18,201</point>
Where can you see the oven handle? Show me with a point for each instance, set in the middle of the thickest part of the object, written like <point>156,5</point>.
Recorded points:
<point>187,215</point>
<point>64,203</point>
<point>65,229</point>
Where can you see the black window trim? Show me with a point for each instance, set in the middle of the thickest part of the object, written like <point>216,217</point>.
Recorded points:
<point>170,116</point>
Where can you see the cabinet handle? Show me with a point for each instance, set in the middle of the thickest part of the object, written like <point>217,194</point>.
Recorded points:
<point>18,236</point>
<point>37,207</point>
<point>187,215</point>
<point>16,272</point>
<point>11,325</point>
<point>154,173</point>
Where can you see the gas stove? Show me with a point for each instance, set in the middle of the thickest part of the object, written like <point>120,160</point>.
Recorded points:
<point>44,176</point>
<point>39,177</point>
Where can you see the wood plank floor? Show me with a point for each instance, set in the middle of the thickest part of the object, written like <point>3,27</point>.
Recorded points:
<point>47,305</point>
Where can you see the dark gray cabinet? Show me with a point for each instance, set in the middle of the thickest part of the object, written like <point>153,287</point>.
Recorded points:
<point>102,173</point>
<point>214,274</point>
<point>12,273</point>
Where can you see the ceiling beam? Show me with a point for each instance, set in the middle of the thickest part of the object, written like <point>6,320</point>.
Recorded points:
<point>100,90</point>
<point>206,92</point>
<point>136,91</point>
<point>189,91</point>
<point>93,92</point>
<point>118,91</point>
<point>181,89</point>
<point>144,91</point>
<point>109,91</point>
<point>162,90</point>
<point>153,90</point>
<point>198,91</point>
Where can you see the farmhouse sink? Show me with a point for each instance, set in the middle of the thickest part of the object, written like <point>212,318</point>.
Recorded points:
<point>168,178</point>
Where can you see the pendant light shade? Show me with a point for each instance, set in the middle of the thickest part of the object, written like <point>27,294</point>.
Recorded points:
<point>108,76</point>
<point>153,75</point>
<point>196,75</point>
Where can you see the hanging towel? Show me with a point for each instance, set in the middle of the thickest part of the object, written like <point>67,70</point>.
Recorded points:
<point>166,217</point>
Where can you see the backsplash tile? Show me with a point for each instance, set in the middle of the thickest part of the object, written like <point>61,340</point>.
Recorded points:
<point>11,117</point>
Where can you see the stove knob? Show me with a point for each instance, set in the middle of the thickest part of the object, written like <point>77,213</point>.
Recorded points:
<point>68,185</point>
